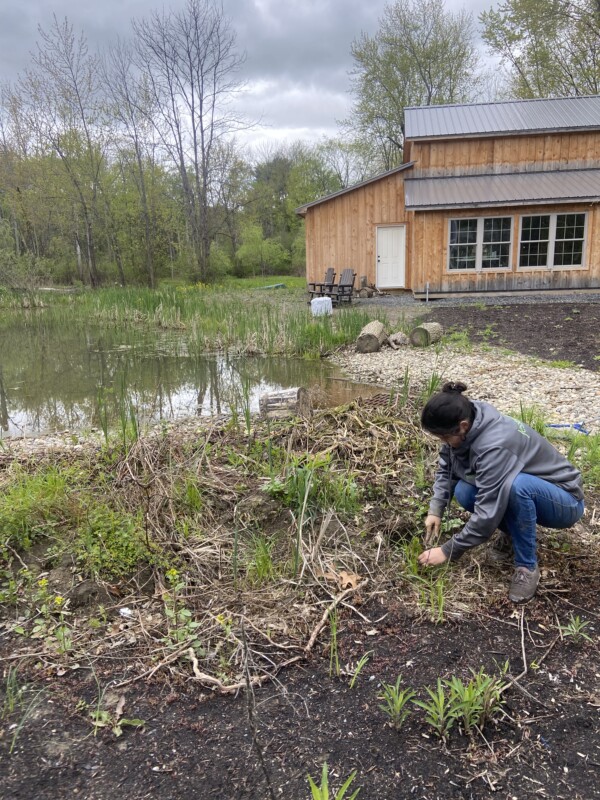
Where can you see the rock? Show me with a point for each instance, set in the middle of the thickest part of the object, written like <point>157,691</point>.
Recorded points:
<point>399,339</point>
<point>88,593</point>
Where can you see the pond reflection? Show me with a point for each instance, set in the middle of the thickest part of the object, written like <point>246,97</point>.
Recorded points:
<point>55,377</point>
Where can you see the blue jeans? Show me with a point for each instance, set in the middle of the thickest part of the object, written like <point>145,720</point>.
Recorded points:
<point>531,501</point>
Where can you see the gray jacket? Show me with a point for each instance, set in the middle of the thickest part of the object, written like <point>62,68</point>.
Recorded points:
<point>496,449</point>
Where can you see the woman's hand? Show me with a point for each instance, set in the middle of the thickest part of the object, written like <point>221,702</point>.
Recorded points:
<point>432,528</point>
<point>432,557</point>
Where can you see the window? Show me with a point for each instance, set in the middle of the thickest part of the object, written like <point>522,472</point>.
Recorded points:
<point>552,240</point>
<point>481,243</point>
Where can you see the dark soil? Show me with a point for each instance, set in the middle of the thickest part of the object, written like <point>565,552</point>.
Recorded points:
<point>195,743</point>
<point>553,331</point>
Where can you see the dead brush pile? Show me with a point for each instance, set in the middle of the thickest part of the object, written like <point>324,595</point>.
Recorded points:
<point>246,541</point>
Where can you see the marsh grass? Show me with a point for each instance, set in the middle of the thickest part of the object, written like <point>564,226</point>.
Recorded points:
<point>32,506</point>
<point>584,452</point>
<point>237,317</point>
<point>260,566</point>
<point>533,416</point>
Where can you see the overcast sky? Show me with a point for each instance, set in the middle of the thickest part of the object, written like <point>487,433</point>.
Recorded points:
<point>297,51</point>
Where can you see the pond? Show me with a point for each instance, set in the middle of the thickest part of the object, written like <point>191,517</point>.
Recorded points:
<point>56,377</point>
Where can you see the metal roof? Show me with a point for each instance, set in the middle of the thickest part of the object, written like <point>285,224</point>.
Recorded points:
<point>301,210</point>
<point>515,116</point>
<point>517,188</point>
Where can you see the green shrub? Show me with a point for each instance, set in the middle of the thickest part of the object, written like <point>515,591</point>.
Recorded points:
<point>111,544</point>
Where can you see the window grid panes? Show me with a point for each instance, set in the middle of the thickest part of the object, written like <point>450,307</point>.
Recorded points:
<point>570,233</point>
<point>481,243</point>
<point>552,240</point>
<point>496,243</point>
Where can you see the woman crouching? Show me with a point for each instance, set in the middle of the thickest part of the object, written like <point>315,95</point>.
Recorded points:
<point>503,472</point>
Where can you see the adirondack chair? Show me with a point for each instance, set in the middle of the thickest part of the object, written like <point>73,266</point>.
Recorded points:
<point>342,292</point>
<point>323,289</point>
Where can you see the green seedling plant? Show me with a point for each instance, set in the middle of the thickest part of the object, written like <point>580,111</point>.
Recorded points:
<point>440,712</point>
<point>16,695</point>
<point>63,632</point>
<point>432,595</point>
<point>27,712</point>
<point>181,626</point>
<point>260,568</point>
<point>466,702</point>
<point>491,690</point>
<point>411,550</point>
<point>575,630</point>
<point>321,792</point>
<point>101,718</point>
<point>395,702</point>
<point>358,668</point>
<point>432,586</point>
<point>14,692</point>
<point>473,703</point>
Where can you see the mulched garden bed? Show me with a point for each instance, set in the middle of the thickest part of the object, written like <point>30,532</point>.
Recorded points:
<point>553,331</point>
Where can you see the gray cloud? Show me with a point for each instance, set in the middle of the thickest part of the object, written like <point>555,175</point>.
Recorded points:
<point>297,53</point>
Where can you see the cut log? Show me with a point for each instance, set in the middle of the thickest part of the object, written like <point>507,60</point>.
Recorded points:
<point>286,403</point>
<point>371,337</point>
<point>427,333</point>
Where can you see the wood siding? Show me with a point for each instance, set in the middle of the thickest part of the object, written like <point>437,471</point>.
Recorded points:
<point>505,154</point>
<point>430,255</point>
<point>342,232</point>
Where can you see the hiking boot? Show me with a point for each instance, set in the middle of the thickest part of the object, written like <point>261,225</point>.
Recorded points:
<point>523,584</point>
<point>500,549</point>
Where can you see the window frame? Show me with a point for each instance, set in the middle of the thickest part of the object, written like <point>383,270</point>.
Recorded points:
<point>479,269</point>
<point>550,266</point>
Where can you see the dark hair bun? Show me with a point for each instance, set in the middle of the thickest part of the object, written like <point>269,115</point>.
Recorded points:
<point>452,387</point>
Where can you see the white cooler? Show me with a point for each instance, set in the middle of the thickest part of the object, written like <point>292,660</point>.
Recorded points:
<point>321,306</point>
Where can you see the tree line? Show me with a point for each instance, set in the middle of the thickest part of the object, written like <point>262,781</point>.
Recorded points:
<point>125,166</point>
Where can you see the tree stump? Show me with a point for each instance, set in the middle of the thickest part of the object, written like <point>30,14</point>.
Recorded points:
<point>286,403</point>
<point>427,333</point>
<point>371,337</point>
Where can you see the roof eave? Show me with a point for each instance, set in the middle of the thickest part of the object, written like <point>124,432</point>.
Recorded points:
<point>489,134</point>
<point>302,210</point>
<point>501,203</point>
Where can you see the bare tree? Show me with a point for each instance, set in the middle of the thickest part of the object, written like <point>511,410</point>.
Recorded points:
<point>131,106</point>
<point>59,97</point>
<point>191,63</point>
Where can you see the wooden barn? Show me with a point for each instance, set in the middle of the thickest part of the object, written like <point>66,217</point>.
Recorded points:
<point>492,197</point>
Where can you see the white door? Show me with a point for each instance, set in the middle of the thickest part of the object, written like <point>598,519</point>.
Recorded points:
<point>391,254</point>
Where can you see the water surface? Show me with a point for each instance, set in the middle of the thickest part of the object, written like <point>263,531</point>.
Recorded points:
<point>56,377</point>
